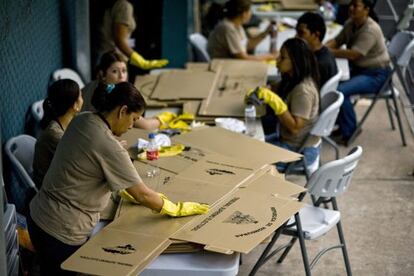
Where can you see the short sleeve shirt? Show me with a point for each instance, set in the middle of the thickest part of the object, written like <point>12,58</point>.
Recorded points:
<point>368,40</point>
<point>327,64</point>
<point>122,12</point>
<point>303,102</point>
<point>226,40</point>
<point>87,93</point>
<point>88,164</point>
<point>45,149</point>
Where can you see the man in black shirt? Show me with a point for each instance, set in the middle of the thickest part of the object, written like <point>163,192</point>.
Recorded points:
<point>311,28</point>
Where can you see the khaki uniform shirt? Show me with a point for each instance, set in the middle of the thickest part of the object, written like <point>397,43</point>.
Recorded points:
<point>368,40</point>
<point>226,40</point>
<point>303,102</point>
<point>122,12</point>
<point>45,149</point>
<point>89,163</point>
<point>87,93</point>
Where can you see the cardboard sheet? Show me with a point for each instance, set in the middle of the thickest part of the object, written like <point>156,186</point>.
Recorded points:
<point>301,5</point>
<point>236,145</point>
<point>235,226</point>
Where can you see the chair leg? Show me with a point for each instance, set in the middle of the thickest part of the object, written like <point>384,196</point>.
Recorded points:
<point>334,145</point>
<point>359,126</point>
<point>286,251</point>
<point>397,114</point>
<point>387,102</point>
<point>302,245</point>
<point>342,240</point>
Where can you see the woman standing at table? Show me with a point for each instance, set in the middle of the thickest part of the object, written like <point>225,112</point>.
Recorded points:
<point>368,57</point>
<point>229,40</point>
<point>88,164</point>
<point>295,100</point>
<point>112,69</point>
<point>64,100</point>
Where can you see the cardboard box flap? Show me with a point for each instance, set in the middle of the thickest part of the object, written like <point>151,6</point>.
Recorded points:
<point>237,145</point>
<point>239,223</point>
<point>269,183</point>
<point>184,85</point>
<point>113,252</point>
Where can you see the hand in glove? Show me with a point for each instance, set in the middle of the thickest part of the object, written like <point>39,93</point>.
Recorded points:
<point>166,117</point>
<point>137,60</point>
<point>182,209</point>
<point>165,151</point>
<point>272,99</point>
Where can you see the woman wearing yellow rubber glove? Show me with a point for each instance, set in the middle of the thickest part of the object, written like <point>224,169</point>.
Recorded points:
<point>295,101</point>
<point>115,34</point>
<point>89,164</point>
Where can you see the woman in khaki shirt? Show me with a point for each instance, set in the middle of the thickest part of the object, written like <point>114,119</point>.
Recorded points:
<point>88,165</point>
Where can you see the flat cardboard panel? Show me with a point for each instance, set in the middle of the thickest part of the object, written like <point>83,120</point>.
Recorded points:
<point>235,225</point>
<point>268,183</point>
<point>184,85</point>
<point>236,145</point>
<point>113,252</point>
<point>240,68</point>
<point>299,5</point>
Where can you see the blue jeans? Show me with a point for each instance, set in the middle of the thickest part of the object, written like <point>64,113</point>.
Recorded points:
<point>363,81</point>
<point>309,154</point>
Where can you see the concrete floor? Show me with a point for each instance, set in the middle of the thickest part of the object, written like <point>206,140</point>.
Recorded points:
<point>377,210</point>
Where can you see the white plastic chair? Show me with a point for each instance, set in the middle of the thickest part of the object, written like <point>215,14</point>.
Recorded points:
<point>330,105</point>
<point>20,150</point>
<point>199,43</point>
<point>66,73</point>
<point>328,182</point>
<point>37,110</point>
<point>331,84</point>
<point>400,50</point>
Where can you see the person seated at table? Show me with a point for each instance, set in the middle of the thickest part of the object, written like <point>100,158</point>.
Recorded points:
<point>89,163</point>
<point>229,40</point>
<point>368,57</point>
<point>63,102</point>
<point>112,69</point>
<point>295,100</point>
<point>311,28</point>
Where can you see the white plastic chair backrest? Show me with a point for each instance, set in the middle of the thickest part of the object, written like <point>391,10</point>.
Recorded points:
<point>331,84</point>
<point>66,73</point>
<point>37,110</point>
<point>334,178</point>
<point>330,106</point>
<point>401,47</point>
<point>199,43</point>
<point>20,150</point>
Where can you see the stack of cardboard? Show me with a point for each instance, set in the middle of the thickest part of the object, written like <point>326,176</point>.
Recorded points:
<point>205,90</point>
<point>229,171</point>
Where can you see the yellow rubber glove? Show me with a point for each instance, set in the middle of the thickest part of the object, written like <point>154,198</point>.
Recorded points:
<point>166,117</point>
<point>137,60</point>
<point>127,196</point>
<point>182,209</point>
<point>273,100</point>
<point>165,151</point>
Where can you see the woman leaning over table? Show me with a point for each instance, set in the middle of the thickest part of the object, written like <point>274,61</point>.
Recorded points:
<point>229,40</point>
<point>368,57</point>
<point>112,69</point>
<point>64,100</point>
<point>88,165</point>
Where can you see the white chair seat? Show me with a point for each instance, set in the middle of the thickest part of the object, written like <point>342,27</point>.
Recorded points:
<point>316,221</point>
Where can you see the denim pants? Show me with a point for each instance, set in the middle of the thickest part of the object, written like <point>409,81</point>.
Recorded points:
<point>363,81</point>
<point>310,154</point>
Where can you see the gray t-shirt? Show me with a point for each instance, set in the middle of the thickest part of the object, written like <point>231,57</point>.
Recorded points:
<point>367,40</point>
<point>303,102</point>
<point>226,40</point>
<point>87,93</point>
<point>44,150</point>
<point>88,164</point>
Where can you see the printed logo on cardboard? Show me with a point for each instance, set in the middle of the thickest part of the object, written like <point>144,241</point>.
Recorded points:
<point>218,172</point>
<point>239,218</point>
<point>120,249</point>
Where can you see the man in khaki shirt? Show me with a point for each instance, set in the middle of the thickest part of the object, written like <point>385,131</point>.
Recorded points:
<point>369,60</point>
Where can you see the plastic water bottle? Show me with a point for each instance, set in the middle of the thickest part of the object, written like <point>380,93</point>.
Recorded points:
<point>250,119</point>
<point>152,154</point>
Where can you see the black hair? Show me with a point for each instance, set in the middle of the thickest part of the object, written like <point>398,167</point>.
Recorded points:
<point>107,59</point>
<point>314,23</point>
<point>109,96</point>
<point>61,96</point>
<point>370,4</point>
<point>304,65</point>
<point>234,8</point>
